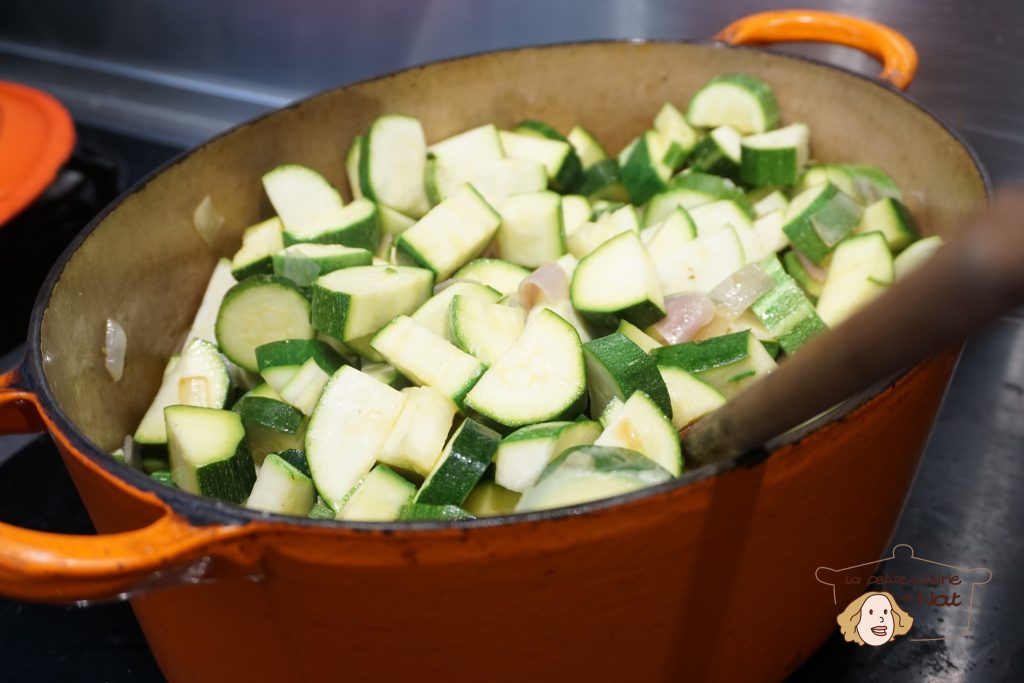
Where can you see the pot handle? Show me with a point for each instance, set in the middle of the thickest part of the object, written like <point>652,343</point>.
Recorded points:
<point>897,54</point>
<point>36,565</point>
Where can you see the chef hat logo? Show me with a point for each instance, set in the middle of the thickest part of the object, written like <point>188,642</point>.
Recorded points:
<point>940,597</point>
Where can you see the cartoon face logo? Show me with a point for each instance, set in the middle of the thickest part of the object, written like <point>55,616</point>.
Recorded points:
<point>873,619</point>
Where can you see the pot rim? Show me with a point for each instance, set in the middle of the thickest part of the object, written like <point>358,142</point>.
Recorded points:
<point>203,511</point>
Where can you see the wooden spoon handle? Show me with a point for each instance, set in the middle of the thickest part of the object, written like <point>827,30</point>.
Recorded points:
<point>978,276</point>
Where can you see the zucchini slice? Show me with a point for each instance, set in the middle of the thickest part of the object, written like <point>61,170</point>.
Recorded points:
<point>304,263</point>
<point>434,313</point>
<point>460,466</point>
<point>208,453</point>
<point>541,378</point>
<point>739,100</point>
<point>205,323</point>
<point>889,217</point>
<point>915,255</point>
<point>497,274</point>
<point>728,363</point>
<point>261,309</point>
<point>719,153</point>
<point>618,280</point>
<point>644,171</point>
<point>587,473</point>
<point>523,454</point>
<point>352,303</point>
<point>701,264</point>
<point>531,232</point>
<point>198,377</point>
<point>785,311</point>
<point>487,499</point>
<point>278,361</point>
<point>348,428</point>
<point>426,359</point>
<point>557,156</point>
<point>640,425</point>
<point>484,330</point>
<point>468,157</point>
<point>311,210</point>
<point>819,218</point>
<point>377,497</point>
<point>617,368</point>
<point>422,512</point>
<point>681,137</point>
<point>451,234</point>
<point>691,398</point>
<point>861,269</point>
<point>281,488</point>
<point>775,158</point>
<point>417,439</point>
<point>392,163</point>
<point>259,243</point>
<point>588,149</point>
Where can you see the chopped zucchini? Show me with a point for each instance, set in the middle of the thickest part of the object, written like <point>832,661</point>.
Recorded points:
<point>208,453</point>
<point>523,454</point>
<point>540,378</point>
<point>633,294</point>
<point>460,466</point>
<point>426,359</point>
<point>587,473</point>
<point>377,497</point>
<point>451,234</point>
<point>354,302</point>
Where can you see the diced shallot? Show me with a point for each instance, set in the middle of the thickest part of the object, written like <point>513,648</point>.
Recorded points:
<point>546,285</point>
<point>115,346</point>
<point>734,294</point>
<point>130,455</point>
<point>207,221</point>
<point>816,272</point>
<point>685,315</point>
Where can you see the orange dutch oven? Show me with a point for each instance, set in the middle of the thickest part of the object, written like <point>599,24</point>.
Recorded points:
<point>709,577</point>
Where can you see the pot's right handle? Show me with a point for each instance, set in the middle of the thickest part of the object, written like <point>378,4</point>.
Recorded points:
<point>891,47</point>
<point>37,565</point>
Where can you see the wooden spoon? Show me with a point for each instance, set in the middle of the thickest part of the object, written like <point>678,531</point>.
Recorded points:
<point>976,277</point>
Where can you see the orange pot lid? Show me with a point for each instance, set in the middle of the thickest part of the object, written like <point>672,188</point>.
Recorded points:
<point>36,137</point>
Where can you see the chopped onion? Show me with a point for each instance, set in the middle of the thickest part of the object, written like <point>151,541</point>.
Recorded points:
<point>194,391</point>
<point>546,285</point>
<point>718,326</point>
<point>207,221</point>
<point>734,294</point>
<point>115,346</point>
<point>816,272</point>
<point>130,456</point>
<point>299,268</point>
<point>685,315</point>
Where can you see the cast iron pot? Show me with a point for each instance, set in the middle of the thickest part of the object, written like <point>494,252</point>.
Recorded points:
<point>685,580</point>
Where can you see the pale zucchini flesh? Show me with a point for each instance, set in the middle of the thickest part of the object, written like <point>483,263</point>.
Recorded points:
<point>540,378</point>
<point>348,428</point>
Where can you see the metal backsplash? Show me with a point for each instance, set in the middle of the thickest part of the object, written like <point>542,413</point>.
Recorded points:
<point>179,71</point>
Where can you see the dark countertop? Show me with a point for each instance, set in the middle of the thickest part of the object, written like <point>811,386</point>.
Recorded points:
<point>964,508</point>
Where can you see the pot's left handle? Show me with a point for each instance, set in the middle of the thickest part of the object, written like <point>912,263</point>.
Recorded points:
<point>36,565</point>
